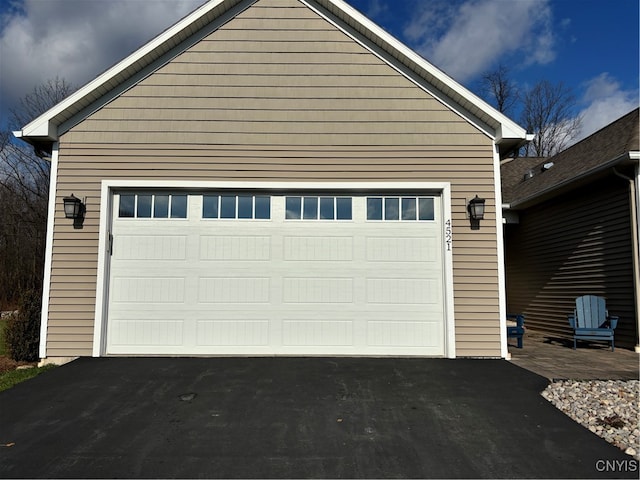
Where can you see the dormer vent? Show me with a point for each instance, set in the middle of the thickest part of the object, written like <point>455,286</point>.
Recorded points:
<point>546,166</point>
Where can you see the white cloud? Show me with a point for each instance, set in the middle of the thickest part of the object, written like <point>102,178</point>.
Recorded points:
<point>429,22</point>
<point>76,39</point>
<point>604,100</point>
<point>469,38</point>
<point>377,8</point>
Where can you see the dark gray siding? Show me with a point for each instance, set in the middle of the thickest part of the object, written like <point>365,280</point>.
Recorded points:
<point>576,244</point>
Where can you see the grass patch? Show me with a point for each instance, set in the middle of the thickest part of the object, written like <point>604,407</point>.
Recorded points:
<point>13,377</point>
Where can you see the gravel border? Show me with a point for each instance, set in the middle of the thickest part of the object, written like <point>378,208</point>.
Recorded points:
<point>608,408</point>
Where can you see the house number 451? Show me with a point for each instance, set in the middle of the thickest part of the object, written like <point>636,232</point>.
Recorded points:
<point>448,235</point>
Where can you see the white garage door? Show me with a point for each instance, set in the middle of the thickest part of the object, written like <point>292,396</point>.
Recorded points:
<point>291,274</point>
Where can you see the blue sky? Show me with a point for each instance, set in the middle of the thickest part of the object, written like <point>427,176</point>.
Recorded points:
<point>590,45</point>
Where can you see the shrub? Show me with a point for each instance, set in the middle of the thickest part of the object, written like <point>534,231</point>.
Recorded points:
<point>22,334</point>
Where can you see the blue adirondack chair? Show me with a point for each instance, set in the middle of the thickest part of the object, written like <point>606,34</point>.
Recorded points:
<point>516,331</point>
<point>591,321</point>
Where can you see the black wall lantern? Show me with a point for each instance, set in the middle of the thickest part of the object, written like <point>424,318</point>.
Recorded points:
<point>73,207</point>
<point>476,208</point>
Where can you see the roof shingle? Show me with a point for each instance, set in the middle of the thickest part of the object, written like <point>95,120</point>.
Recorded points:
<point>582,159</point>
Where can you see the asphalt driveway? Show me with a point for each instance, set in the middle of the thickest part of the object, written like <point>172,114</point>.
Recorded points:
<point>294,418</point>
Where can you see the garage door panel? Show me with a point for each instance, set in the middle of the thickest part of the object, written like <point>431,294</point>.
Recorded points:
<point>402,249</point>
<point>395,333</point>
<point>232,289</point>
<point>148,290</point>
<point>235,248</point>
<point>151,247</point>
<point>149,331</point>
<point>403,291</point>
<point>215,286</point>
<point>304,332</point>
<point>317,248</point>
<point>317,290</point>
<point>234,330</point>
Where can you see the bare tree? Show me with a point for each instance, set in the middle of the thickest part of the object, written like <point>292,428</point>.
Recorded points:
<point>498,86</point>
<point>24,194</point>
<point>39,100</point>
<point>548,112</point>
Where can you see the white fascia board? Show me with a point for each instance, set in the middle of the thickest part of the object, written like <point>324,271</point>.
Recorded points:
<point>42,126</point>
<point>502,282</point>
<point>449,288</point>
<point>48,255</point>
<point>508,128</point>
<point>280,186</point>
<point>511,130</point>
<point>634,155</point>
<point>103,270</point>
<point>39,129</point>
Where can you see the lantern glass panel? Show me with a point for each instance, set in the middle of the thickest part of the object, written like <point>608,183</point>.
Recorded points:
<point>72,207</point>
<point>476,208</point>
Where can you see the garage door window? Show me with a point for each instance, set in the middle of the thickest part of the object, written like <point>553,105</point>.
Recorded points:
<point>249,207</point>
<point>152,206</point>
<point>400,208</point>
<point>319,208</point>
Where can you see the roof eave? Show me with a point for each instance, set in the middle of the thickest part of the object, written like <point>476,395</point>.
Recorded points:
<point>568,184</point>
<point>509,144</point>
<point>42,146</point>
<point>41,129</point>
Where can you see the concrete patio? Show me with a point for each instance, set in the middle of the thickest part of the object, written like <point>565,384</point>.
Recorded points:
<point>554,358</point>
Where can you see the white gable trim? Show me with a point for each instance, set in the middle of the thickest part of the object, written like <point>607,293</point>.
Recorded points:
<point>104,250</point>
<point>111,78</point>
<point>48,254</point>
<point>402,69</point>
<point>452,89</point>
<point>502,282</point>
<point>153,66</point>
<point>112,82</point>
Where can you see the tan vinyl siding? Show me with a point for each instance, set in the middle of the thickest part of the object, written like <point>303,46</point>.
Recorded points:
<point>263,99</point>
<point>578,244</point>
